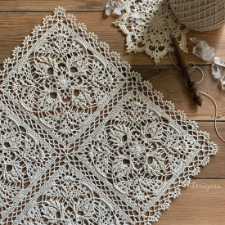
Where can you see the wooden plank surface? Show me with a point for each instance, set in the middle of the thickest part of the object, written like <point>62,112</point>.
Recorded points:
<point>196,205</point>
<point>216,166</point>
<point>169,81</point>
<point>15,25</point>
<point>43,5</point>
<point>202,203</point>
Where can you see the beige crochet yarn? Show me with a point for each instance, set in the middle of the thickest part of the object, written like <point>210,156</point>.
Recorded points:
<point>200,15</point>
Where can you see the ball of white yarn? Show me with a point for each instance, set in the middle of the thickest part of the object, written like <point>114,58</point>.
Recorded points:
<point>200,15</point>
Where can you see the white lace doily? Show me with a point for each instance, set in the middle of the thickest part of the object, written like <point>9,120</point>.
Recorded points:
<point>83,140</point>
<point>151,32</point>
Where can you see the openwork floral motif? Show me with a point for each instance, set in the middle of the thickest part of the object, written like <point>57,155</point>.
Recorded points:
<point>59,82</point>
<point>17,153</point>
<point>124,152</point>
<point>70,202</point>
<point>19,161</point>
<point>151,32</point>
<point>139,154</point>
<point>83,140</point>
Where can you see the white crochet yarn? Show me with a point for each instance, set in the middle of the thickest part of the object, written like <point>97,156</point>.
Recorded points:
<point>200,15</point>
<point>83,140</point>
<point>152,29</point>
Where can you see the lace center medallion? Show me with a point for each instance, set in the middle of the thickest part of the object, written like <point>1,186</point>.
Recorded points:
<point>83,139</point>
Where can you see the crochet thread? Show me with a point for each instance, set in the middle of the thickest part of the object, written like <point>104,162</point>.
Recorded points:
<point>83,139</point>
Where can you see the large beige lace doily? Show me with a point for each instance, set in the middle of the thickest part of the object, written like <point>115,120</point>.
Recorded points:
<point>151,32</point>
<point>83,140</point>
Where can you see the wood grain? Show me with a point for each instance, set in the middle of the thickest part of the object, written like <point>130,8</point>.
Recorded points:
<point>43,5</point>
<point>169,81</point>
<point>216,166</point>
<point>14,26</point>
<point>202,203</point>
<point>197,203</point>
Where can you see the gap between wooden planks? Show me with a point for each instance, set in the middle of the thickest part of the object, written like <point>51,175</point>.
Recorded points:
<point>43,5</point>
<point>216,166</point>
<point>196,205</point>
<point>202,203</point>
<point>15,26</point>
<point>167,79</point>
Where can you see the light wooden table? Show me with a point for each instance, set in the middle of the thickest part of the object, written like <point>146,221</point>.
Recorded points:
<point>203,202</point>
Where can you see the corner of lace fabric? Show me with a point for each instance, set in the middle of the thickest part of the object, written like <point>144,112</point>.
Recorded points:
<point>83,139</point>
<point>151,31</point>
